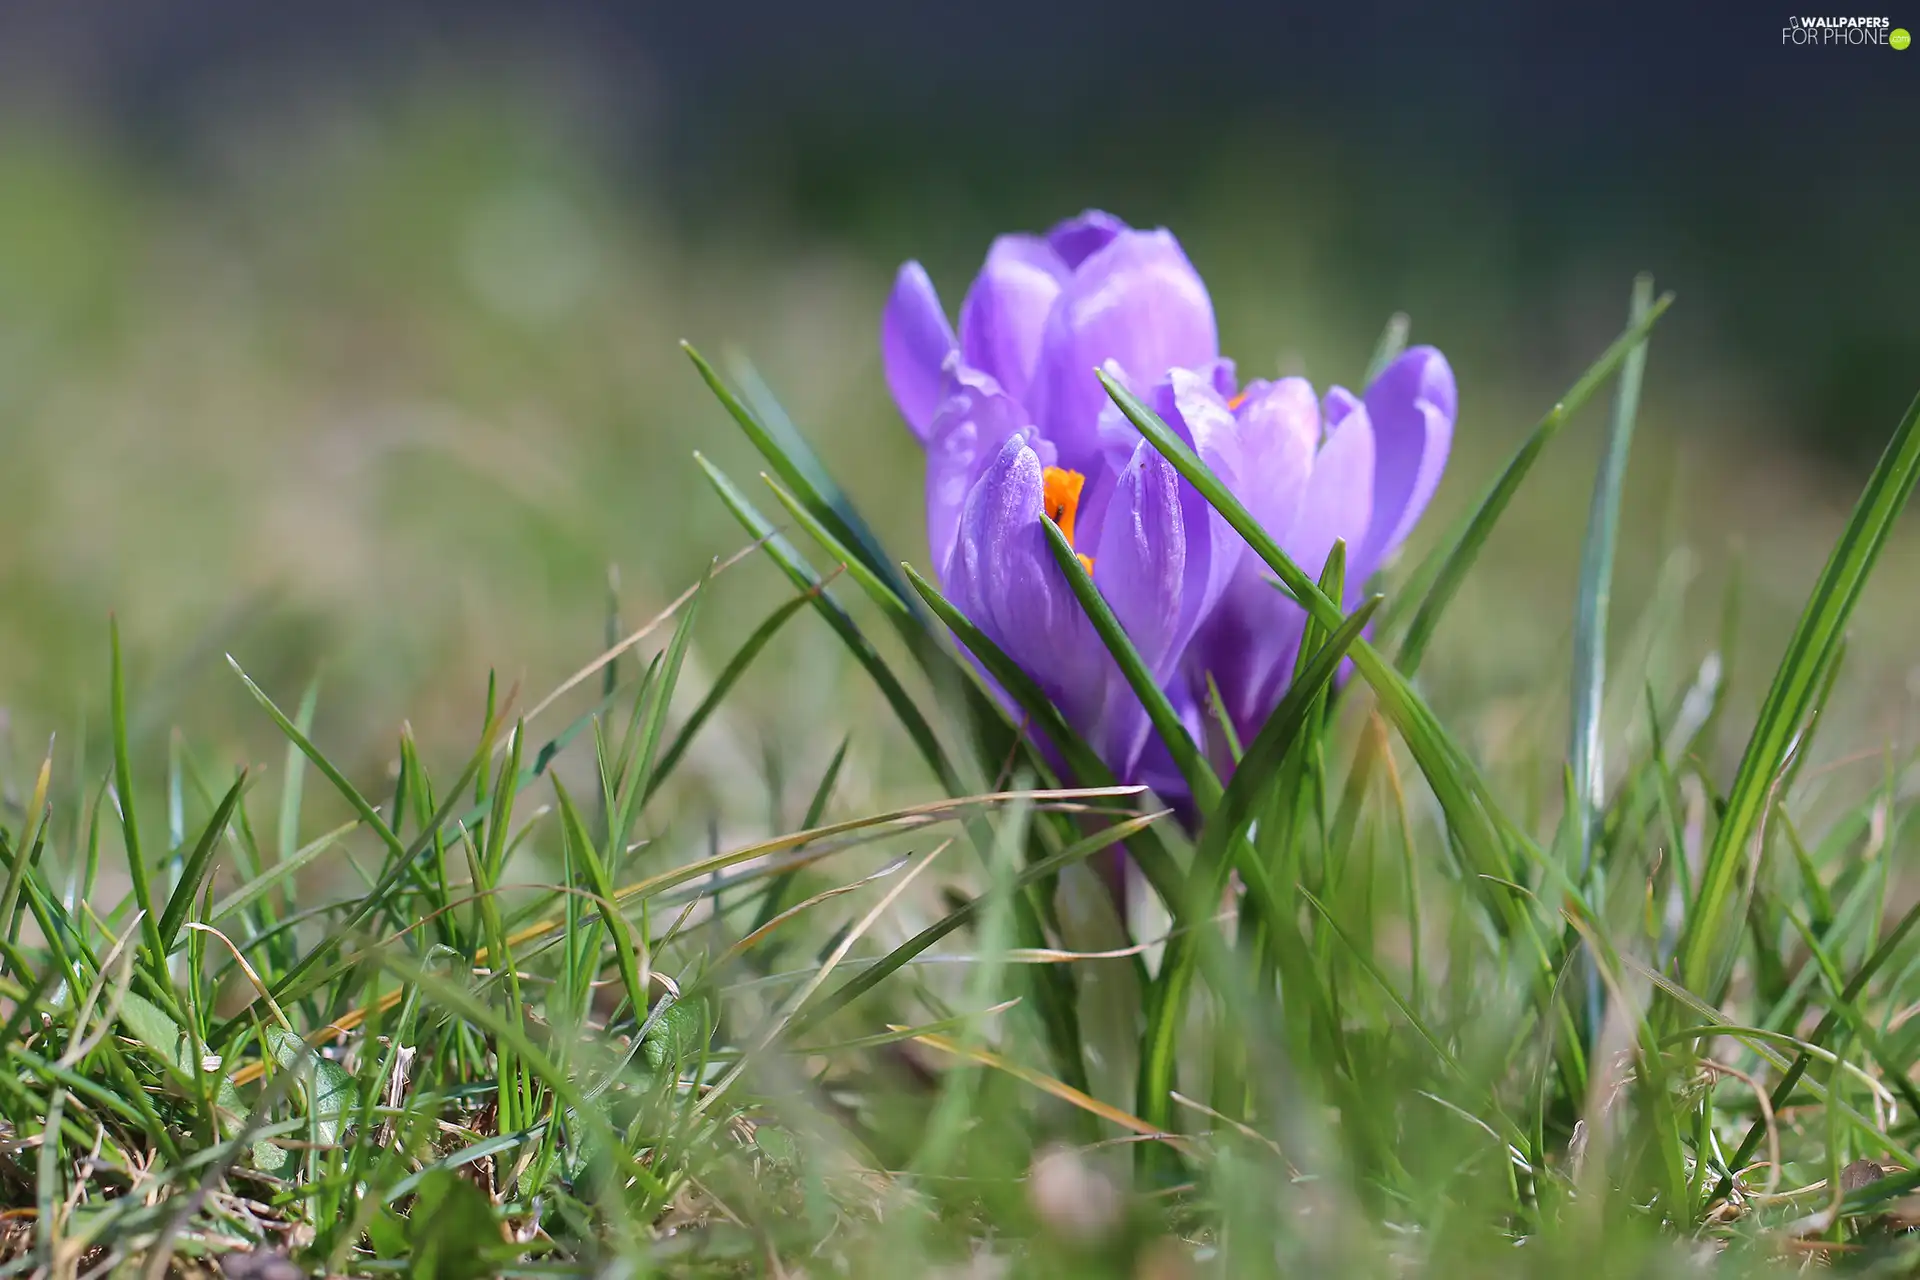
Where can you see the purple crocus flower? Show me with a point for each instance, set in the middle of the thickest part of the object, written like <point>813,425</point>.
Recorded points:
<point>1011,416</point>
<point>1018,430</point>
<point>1313,470</point>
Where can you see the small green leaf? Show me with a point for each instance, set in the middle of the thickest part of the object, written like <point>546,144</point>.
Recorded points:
<point>675,1035</point>
<point>330,1091</point>
<point>147,1023</point>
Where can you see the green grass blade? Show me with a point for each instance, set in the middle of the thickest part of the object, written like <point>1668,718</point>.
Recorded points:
<point>809,583</point>
<point>880,590</point>
<point>774,900</point>
<point>1393,340</point>
<point>155,950</point>
<point>619,932</point>
<point>198,863</point>
<point>1051,989</point>
<point>722,686</point>
<point>1081,761</point>
<point>1193,767</point>
<point>1455,783</point>
<point>1453,569</point>
<point>1596,589</point>
<point>807,479</point>
<point>368,813</point>
<point>249,893</point>
<point>292,790</point>
<point>1816,639</point>
<point>637,789</point>
<point>1226,828</point>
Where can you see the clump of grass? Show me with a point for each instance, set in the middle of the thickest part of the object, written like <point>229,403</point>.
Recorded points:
<point>1392,1024</point>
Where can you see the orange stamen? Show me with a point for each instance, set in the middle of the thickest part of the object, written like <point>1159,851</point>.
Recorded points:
<point>1060,494</point>
<point>1234,404</point>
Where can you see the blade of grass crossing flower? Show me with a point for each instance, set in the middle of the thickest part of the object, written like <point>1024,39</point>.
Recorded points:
<point>995,739</point>
<point>1460,558</point>
<point>1482,832</point>
<point>1296,803</point>
<point>1052,992</point>
<point>1155,862</point>
<point>1455,783</point>
<point>1816,639</point>
<point>1224,829</point>
<point>813,501</point>
<point>1193,766</point>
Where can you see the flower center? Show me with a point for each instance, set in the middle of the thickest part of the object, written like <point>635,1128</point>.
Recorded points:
<point>1060,494</point>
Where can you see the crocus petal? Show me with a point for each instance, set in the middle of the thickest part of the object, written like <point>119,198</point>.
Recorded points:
<point>1190,403</point>
<point>1412,406</point>
<point>1249,642</point>
<point>1279,431</point>
<point>1140,566</point>
<point>1338,502</point>
<point>1079,238</point>
<point>1222,376</point>
<point>1137,301</point>
<point>1007,307</point>
<point>1340,403</point>
<point>915,340</point>
<point>1140,558</point>
<point>1003,576</point>
<point>975,419</point>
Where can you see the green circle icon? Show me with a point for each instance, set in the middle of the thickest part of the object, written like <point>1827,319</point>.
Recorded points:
<point>1899,38</point>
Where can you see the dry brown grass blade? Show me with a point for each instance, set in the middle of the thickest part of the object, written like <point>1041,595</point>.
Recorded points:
<point>1047,1084</point>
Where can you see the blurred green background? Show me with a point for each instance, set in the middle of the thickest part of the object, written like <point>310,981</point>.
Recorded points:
<point>343,338</point>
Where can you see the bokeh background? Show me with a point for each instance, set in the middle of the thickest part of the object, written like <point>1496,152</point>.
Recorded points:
<point>342,336</point>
